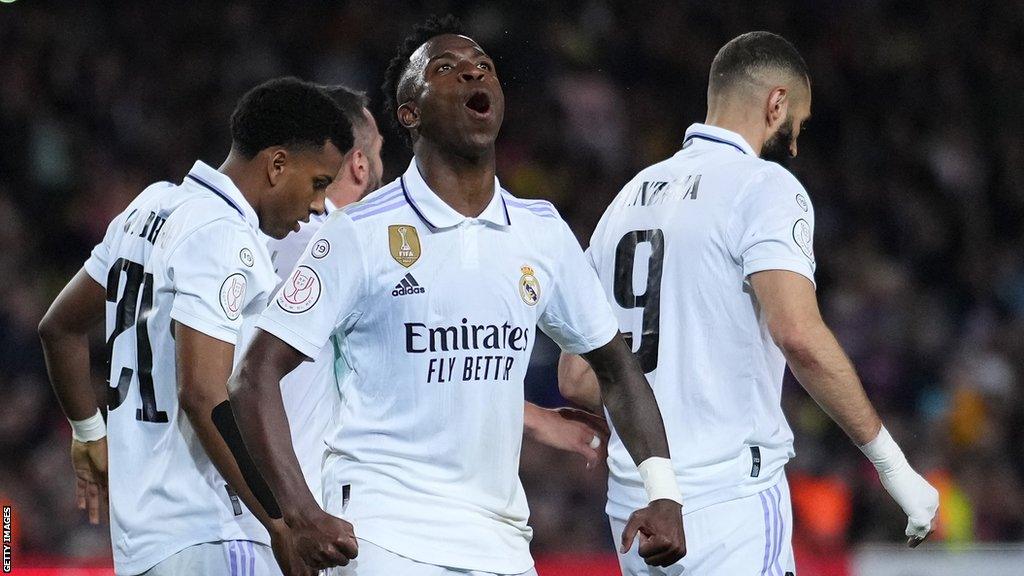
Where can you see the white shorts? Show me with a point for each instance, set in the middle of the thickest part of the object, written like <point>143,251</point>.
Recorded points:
<point>749,536</point>
<point>376,561</point>
<point>230,558</point>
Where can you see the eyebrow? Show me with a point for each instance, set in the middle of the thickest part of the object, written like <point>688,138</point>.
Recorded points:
<point>453,55</point>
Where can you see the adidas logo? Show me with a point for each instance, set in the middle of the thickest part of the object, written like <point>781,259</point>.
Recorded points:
<point>407,286</point>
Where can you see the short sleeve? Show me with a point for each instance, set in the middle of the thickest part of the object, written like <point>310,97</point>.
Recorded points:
<point>98,263</point>
<point>219,275</point>
<point>577,317</point>
<point>324,290</point>
<point>773,225</point>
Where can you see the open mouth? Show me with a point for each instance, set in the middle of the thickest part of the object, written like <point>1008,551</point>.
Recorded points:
<point>479,102</point>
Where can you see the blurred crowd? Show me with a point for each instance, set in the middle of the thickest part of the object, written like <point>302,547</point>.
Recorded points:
<point>914,158</point>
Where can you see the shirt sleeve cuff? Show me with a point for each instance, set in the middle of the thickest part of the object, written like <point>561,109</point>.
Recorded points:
<point>288,336</point>
<point>211,329</point>
<point>801,267</point>
<point>94,268</point>
<point>582,345</point>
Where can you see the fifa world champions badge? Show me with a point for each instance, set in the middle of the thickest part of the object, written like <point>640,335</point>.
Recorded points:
<point>529,286</point>
<point>404,242</point>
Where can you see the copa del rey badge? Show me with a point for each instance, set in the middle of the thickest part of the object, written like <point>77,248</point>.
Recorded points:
<point>529,286</point>
<point>404,243</point>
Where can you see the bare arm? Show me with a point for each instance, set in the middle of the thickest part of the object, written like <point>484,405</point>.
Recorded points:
<point>630,400</point>
<point>818,362</point>
<point>203,366</point>
<point>578,383</point>
<point>255,390</point>
<point>568,429</point>
<point>64,332</point>
<point>790,310</point>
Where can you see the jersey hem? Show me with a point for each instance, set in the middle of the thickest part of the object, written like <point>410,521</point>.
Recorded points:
<point>619,509</point>
<point>139,566</point>
<point>445,559</point>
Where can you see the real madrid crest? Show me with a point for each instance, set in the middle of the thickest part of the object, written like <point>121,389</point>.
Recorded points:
<point>404,243</point>
<point>529,286</point>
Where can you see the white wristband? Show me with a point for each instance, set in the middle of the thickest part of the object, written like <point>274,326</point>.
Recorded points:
<point>660,479</point>
<point>89,430</point>
<point>884,453</point>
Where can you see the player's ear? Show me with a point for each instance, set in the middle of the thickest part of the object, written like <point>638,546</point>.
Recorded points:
<point>409,115</point>
<point>276,160</point>
<point>778,107</point>
<point>358,166</point>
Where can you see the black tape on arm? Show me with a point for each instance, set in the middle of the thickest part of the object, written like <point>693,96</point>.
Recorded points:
<point>224,420</point>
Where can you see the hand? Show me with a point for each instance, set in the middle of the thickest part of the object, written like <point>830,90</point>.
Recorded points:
<point>283,545</point>
<point>89,460</point>
<point>918,499</point>
<point>571,430</point>
<point>660,525</point>
<point>321,540</point>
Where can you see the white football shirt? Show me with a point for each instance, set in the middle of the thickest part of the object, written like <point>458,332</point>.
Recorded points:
<point>309,392</point>
<point>189,253</point>
<point>439,315</point>
<point>674,251</point>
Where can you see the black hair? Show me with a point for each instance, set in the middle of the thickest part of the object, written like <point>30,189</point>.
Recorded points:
<point>432,27</point>
<point>291,113</point>
<point>352,102</point>
<point>746,55</point>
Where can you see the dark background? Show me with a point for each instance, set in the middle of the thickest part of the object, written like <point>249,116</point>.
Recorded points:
<point>914,159</point>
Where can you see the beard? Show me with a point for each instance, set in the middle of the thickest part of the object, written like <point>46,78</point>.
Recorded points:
<point>776,149</point>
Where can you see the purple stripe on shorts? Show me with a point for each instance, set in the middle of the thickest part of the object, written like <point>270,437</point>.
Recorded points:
<point>775,531</point>
<point>387,208</point>
<point>767,534</point>
<point>234,560</point>
<point>252,560</point>
<point>243,564</point>
<point>778,535</point>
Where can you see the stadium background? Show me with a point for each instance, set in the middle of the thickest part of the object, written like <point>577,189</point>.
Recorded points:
<point>914,158</point>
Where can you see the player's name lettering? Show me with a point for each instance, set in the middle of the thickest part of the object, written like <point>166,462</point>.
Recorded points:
<point>654,193</point>
<point>149,229</point>
<point>420,338</point>
<point>470,369</point>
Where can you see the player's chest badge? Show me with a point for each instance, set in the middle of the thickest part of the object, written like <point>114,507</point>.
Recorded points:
<point>404,242</point>
<point>529,286</point>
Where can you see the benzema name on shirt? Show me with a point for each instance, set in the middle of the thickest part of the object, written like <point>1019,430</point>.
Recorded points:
<point>421,339</point>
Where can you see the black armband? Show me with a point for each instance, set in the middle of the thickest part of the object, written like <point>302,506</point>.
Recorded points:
<point>224,420</point>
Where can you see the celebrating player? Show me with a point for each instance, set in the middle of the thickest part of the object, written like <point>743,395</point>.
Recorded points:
<point>431,290</point>
<point>308,392</point>
<point>174,275</point>
<point>708,260</point>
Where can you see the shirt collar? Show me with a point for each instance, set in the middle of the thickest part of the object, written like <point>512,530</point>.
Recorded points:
<point>204,176</point>
<point>709,133</point>
<point>436,213</point>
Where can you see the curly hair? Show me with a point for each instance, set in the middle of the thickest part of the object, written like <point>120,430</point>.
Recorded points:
<point>291,113</point>
<point>432,27</point>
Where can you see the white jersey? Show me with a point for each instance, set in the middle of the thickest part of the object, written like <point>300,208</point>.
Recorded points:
<point>309,392</point>
<point>439,315</point>
<point>674,251</point>
<point>189,253</point>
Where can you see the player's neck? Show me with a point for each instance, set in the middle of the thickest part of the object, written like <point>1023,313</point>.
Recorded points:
<point>752,133</point>
<point>465,184</point>
<point>241,174</point>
